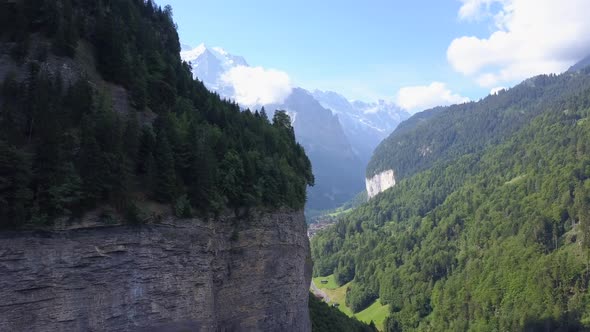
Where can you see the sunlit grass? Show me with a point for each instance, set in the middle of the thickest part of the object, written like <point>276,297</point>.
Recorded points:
<point>376,312</point>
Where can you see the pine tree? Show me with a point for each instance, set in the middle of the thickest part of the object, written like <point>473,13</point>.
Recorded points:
<point>232,174</point>
<point>90,164</point>
<point>165,182</point>
<point>15,177</point>
<point>132,140</point>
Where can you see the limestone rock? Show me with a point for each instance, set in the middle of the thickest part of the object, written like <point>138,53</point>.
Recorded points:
<point>379,183</point>
<point>183,275</point>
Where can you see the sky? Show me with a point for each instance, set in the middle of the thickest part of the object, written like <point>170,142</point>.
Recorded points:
<point>418,53</point>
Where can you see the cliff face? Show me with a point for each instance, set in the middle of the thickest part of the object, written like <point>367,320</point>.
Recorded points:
<point>178,275</point>
<point>379,183</point>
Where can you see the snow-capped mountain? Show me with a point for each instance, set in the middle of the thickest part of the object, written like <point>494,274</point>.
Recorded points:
<point>210,63</point>
<point>365,124</point>
<point>338,135</point>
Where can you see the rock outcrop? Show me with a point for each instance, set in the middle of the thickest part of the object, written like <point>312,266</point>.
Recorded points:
<point>379,183</point>
<point>189,275</point>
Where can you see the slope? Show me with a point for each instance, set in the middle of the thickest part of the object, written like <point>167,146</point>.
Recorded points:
<point>496,239</point>
<point>364,124</point>
<point>444,134</point>
<point>325,318</point>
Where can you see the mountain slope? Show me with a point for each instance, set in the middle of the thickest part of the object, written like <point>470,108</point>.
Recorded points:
<point>444,134</point>
<point>491,236</point>
<point>580,65</point>
<point>365,124</point>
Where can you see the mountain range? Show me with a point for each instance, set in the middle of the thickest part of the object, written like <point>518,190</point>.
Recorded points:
<point>339,135</point>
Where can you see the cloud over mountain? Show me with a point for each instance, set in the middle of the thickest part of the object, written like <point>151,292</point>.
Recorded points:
<point>421,97</point>
<point>257,85</point>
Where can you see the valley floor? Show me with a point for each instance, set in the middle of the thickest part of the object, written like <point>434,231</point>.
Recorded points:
<point>327,288</point>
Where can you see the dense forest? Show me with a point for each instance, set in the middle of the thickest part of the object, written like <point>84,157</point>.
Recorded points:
<point>68,143</point>
<point>446,133</point>
<point>497,238</point>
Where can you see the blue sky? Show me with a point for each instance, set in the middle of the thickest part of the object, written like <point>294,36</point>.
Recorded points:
<point>376,48</point>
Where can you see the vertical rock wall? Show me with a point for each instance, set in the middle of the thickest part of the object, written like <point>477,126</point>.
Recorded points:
<point>190,275</point>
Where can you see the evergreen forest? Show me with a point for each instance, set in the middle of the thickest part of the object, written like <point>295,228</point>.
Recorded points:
<point>492,234</point>
<point>123,121</point>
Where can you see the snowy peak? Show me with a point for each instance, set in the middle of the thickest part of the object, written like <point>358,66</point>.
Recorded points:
<point>210,63</point>
<point>229,60</point>
<point>203,52</point>
<point>365,124</point>
<point>334,101</point>
<point>382,115</point>
<point>190,54</point>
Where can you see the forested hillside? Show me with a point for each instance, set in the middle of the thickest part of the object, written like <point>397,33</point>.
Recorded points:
<point>479,239</point>
<point>72,139</point>
<point>445,133</point>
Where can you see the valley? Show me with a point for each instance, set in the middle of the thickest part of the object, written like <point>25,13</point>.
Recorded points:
<point>363,167</point>
<point>336,296</point>
<point>477,236</point>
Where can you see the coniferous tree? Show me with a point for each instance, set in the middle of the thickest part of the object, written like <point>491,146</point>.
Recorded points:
<point>90,163</point>
<point>232,173</point>
<point>165,182</point>
<point>15,177</point>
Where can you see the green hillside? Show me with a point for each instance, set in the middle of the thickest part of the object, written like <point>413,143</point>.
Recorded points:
<point>446,133</point>
<point>496,238</point>
<point>375,313</point>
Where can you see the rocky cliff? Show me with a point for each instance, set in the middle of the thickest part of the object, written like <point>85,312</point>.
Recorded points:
<point>379,183</point>
<point>190,275</point>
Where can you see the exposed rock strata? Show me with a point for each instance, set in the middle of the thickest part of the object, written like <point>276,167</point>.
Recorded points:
<point>180,275</point>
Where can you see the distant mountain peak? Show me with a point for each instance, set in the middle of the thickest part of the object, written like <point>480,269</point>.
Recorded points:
<point>210,63</point>
<point>191,54</point>
<point>227,60</point>
<point>220,50</point>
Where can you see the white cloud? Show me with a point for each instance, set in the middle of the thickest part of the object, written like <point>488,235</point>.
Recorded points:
<point>258,86</point>
<point>475,9</point>
<point>419,98</point>
<point>530,37</point>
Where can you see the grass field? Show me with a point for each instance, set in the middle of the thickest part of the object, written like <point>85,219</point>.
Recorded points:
<point>376,312</point>
<point>330,285</point>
